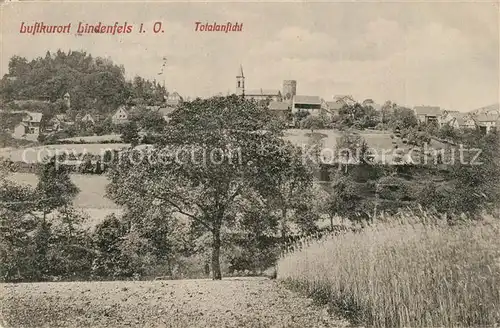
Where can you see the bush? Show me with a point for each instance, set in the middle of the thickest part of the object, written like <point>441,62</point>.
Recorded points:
<point>392,188</point>
<point>313,123</point>
<point>130,133</point>
<point>121,252</point>
<point>35,250</point>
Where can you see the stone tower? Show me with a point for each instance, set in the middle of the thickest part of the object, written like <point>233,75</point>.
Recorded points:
<point>240,82</point>
<point>289,90</point>
<point>67,101</point>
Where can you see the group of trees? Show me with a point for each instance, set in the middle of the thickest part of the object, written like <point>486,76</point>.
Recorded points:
<point>143,119</point>
<point>150,123</point>
<point>218,160</point>
<point>400,120</point>
<point>93,83</point>
<point>42,237</point>
<point>220,173</point>
<point>461,183</point>
<point>359,116</point>
<point>39,228</point>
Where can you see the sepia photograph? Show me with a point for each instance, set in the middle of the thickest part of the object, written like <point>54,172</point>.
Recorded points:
<point>267,164</point>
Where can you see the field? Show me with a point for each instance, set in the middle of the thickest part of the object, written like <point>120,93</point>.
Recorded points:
<point>234,302</point>
<point>92,189</point>
<point>374,139</point>
<point>37,154</point>
<point>424,274</point>
<point>94,139</point>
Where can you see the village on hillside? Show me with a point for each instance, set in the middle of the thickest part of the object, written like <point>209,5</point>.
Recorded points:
<point>81,179</point>
<point>285,103</point>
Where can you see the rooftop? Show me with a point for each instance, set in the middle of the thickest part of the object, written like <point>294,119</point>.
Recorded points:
<point>428,110</point>
<point>240,72</point>
<point>489,117</point>
<point>278,106</point>
<point>459,117</point>
<point>122,108</point>
<point>262,92</point>
<point>315,100</point>
<point>33,117</point>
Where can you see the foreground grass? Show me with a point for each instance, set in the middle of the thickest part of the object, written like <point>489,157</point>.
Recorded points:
<point>423,274</point>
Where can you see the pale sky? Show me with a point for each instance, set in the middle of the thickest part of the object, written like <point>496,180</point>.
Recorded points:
<point>413,53</point>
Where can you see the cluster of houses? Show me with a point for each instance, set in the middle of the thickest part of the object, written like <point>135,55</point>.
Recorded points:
<point>31,125</point>
<point>288,101</point>
<point>487,118</point>
<point>285,101</point>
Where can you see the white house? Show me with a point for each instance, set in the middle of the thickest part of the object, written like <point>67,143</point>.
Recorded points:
<point>56,123</point>
<point>279,108</point>
<point>310,104</point>
<point>88,119</point>
<point>121,116</point>
<point>29,127</point>
<point>469,122</point>
<point>487,122</point>
<point>428,114</point>
<point>486,118</point>
<point>173,99</point>
<point>453,118</point>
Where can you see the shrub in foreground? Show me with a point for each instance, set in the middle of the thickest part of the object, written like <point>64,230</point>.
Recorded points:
<point>423,274</point>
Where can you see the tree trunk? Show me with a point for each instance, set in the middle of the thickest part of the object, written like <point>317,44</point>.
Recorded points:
<point>207,267</point>
<point>217,275</point>
<point>283,226</point>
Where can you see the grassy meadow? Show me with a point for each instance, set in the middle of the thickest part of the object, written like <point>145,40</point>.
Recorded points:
<point>393,274</point>
<point>91,199</point>
<point>37,154</point>
<point>96,139</point>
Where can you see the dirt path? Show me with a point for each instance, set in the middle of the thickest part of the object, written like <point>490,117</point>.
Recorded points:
<point>235,302</point>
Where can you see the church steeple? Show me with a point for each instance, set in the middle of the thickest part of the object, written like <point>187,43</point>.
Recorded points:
<point>240,82</point>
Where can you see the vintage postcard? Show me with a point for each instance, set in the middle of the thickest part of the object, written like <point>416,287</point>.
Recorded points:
<point>249,164</point>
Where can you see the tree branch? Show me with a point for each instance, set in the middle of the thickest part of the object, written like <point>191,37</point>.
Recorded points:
<point>146,193</point>
<point>181,211</point>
